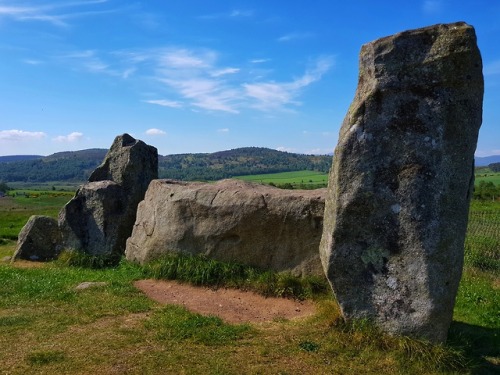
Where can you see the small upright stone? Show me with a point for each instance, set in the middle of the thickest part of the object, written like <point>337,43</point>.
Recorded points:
<point>38,240</point>
<point>401,180</point>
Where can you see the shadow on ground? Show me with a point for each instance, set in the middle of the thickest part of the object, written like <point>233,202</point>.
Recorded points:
<point>479,344</point>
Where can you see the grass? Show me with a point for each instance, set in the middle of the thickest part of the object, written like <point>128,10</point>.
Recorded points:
<point>298,179</point>
<point>47,326</point>
<point>16,209</point>
<point>487,176</point>
<point>199,270</point>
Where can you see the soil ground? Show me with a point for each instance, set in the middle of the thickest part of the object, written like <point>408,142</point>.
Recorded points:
<point>231,305</point>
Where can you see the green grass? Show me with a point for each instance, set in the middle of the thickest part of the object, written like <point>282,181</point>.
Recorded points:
<point>300,179</point>
<point>487,176</point>
<point>16,210</point>
<point>50,327</point>
<point>47,326</point>
<point>199,270</point>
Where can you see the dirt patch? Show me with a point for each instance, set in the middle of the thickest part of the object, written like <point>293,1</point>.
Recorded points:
<point>231,305</point>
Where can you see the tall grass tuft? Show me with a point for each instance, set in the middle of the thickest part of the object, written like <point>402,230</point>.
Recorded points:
<point>199,270</point>
<point>79,259</point>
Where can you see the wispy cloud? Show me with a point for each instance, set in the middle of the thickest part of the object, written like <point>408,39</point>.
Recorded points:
<point>222,72</point>
<point>56,14</point>
<point>273,95</point>
<point>295,36</point>
<point>154,131</point>
<point>164,103</point>
<point>15,135</point>
<point>259,61</point>
<point>223,130</point>
<point>87,60</point>
<point>32,62</point>
<point>233,14</point>
<point>195,78</point>
<point>70,138</point>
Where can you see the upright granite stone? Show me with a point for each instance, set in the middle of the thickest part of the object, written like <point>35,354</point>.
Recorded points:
<point>99,219</point>
<point>233,221</point>
<point>401,180</point>
<point>38,240</point>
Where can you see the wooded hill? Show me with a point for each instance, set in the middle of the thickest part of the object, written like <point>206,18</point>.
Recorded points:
<point>76,166</point>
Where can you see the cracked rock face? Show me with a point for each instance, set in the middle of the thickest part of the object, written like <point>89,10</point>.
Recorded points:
<point>233,221</point>
<point>99,219</point>
<point>401,180</point>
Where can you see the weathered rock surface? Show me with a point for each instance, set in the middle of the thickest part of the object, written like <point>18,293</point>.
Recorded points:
<point>230,220</point>
<point>401,180</point>
<point>99,219</point>
<point>38,240</point>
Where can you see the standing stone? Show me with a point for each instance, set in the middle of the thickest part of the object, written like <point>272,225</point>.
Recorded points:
<point>401,180</point>
<point>100,218</point>
<point>38,240</point>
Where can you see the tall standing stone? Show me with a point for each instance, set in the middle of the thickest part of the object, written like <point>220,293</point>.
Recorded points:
<point>401,180</point>
<point>100,218</point>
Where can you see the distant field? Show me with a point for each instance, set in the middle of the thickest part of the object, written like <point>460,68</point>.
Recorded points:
<point>298,177</point>
<point>487,177</point>
<point>16,210</point>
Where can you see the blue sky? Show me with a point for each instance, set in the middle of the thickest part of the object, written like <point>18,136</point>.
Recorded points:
<point>207,75</point>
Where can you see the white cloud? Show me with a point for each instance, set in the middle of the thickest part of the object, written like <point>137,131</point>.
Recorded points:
<point>165,103</point>
<point>154,131</point>
<point>184,58</point>
<point>15,135</point>
<point>259,61</point>
<point>194,78</point>
<point>224,130</point>
<point>70,138</point>
<point>272,95</point>
<point>88,60</point>
<point>205,93</point>
<point>51,13</point>
<point>222,72</point>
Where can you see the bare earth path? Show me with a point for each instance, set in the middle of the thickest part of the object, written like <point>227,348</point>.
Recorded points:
<point>231,305</point>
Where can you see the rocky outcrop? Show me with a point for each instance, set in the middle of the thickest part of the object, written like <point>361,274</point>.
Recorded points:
<point>38,240</point>
<point>401,180</point>
<point>233,221</point>
<point>99,219</point>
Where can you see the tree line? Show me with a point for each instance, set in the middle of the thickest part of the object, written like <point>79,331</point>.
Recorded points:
<point>77,166</point>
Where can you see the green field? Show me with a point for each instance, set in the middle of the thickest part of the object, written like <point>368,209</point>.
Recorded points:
<point>317,178</point>
<point>16,208</point>
<point>49,327</point>
<point>294,178</point>
<point>487,176</point>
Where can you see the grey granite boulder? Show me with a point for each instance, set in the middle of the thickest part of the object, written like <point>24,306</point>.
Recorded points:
<point>401,180</point>
<point>99,219</point>
<point>38,240</point>
<point>230,220</point>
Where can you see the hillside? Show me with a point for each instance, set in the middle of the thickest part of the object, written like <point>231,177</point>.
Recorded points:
<point>76,166</point>
<point>8,159</point>
<point>71,166</point>
<point>238,162</point>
